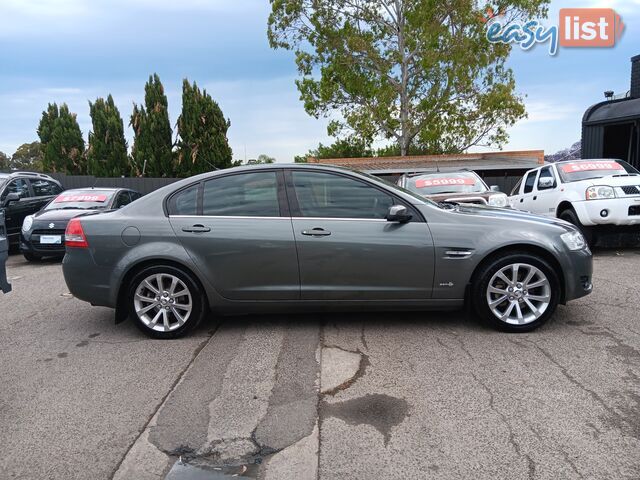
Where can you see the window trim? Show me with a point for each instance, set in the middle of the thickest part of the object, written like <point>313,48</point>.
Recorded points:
<point>296,213</point>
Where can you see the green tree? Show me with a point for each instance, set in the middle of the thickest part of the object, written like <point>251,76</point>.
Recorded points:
<point>409,71</point>
<point>343,148</point>
<point>61,141</point>
<point>4,161</point>
<point>152,133</point>
<point>202,131</point>
<point>28,156</point>
<point>107,153</point>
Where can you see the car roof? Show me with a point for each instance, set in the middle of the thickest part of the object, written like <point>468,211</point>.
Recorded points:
<point>436,172</point>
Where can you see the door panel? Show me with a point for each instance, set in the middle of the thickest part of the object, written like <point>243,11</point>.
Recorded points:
<point>346,248</point>
<point>243,258</point>
<point>364,259</point>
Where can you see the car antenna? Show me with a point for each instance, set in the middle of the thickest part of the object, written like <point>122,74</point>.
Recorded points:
<point>437,166</point>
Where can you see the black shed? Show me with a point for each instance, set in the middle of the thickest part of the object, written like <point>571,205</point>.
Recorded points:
<point>611,129</point>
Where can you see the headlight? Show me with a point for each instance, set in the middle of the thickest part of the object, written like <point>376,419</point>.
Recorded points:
<point>600,192</point>
<point>498,200</point>
<point>27,223</point>
<point>574,240</point>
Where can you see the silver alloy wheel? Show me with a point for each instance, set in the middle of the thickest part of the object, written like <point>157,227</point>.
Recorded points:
<point>163,302</point>
<point>518,294</point>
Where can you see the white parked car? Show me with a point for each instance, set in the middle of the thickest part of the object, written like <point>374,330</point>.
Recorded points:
<point>587,193</point>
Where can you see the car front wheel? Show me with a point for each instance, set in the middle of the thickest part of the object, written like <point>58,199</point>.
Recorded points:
<point>516,293</point>
<point>165,302</point>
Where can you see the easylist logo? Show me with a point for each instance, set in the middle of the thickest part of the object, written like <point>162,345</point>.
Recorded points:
<point>577,27</point>
<point>589,27</point>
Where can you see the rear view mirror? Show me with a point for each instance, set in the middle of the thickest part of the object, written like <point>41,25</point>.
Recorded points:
<point>398,213</point>
<point>545,183</point>
<point>11,198</point>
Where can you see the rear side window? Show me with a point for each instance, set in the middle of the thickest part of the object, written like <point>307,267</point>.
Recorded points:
<point>530,181</point>
<point>185,202</point>
<point>244,195</point>
<point>45,188</point>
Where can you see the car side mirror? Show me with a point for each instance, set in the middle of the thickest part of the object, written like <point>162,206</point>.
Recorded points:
<point>494,188</point>
<point>546,183</point>
<point>11,198</point>
<point>398,213</point>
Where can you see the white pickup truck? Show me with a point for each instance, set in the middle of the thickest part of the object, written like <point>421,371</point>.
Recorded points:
<point>587,193</point>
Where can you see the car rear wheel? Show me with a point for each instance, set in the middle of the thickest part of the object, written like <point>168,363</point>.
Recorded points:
<point>571,217</point>
<point>516,293</point>
<point>165,302</point>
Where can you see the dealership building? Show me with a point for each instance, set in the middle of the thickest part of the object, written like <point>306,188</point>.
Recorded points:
<point>611,129</point>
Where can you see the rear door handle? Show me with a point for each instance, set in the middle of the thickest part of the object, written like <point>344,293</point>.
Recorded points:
<point>316,232</point>
<point>196,229</point>
<point>535,198</point>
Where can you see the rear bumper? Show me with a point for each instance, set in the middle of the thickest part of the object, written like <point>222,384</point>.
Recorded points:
<point>85,280</point>
<point>578,274</point>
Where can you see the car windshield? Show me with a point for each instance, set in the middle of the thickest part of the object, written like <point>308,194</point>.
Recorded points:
<point>436,183</point>
<point>577,170</point>
<point>81,200</point>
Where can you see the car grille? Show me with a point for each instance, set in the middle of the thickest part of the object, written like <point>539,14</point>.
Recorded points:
<point>634,210</point>
<point>35,237</point>
<point>631,190</point>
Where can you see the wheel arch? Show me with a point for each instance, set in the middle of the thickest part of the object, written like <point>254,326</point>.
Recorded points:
<point>121,310</point>
<point>562,206</point>
<point>520,248</point>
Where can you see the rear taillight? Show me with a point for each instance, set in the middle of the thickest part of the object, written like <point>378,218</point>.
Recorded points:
<point>74,235</point>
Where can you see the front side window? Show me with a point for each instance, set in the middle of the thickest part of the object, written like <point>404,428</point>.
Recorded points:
<point>45,188</point>
<point>530,181</point>
<point>243,195</point>
<point>327,195</point>
<point>19,186</point>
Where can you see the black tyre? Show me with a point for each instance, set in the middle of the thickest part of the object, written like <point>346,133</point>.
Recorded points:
<point>30,257</point>
<point>517,292</point>
<point>571,217</point>
<point>165,301</point>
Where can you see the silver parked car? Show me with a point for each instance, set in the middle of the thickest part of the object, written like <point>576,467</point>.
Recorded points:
<point>291,237</point>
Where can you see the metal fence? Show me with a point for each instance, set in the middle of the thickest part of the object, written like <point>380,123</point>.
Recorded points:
<point>143,185</point>
<point>505,180</point>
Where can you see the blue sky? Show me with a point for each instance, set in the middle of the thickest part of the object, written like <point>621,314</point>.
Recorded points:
<point>76,50</point>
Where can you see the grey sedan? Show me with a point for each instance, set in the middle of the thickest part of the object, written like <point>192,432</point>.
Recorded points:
<point>278,238</point>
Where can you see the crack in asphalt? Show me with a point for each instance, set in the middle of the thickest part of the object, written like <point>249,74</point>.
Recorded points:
<point>617,420</point>
<point>531,465</point>
<point>162,401</point>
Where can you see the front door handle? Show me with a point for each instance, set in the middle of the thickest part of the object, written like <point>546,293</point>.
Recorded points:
<point>316,232</point>
<point>535,198</point>
<point>196,229</point>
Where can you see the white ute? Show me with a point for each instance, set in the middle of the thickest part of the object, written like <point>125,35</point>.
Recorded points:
<point>587,193</point>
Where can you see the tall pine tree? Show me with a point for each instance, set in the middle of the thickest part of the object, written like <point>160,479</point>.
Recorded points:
<point>202,128</point>
<point>61,141</point>
<point>107,153</point>
<point>152,145</point>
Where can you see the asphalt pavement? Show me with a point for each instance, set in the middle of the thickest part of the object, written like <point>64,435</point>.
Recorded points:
<point>328,396</point>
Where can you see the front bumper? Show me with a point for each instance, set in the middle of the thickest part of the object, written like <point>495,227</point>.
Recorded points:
<point>578,274</point>
<point>31,243</point>
<point>619,211</point>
